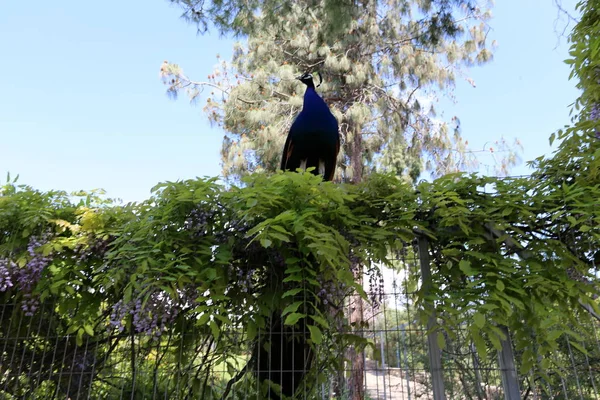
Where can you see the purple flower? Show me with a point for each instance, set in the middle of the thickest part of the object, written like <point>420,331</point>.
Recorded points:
<point>28,276</point>
<point>119,311</point>
<point>595,116</point>
<point>94,247</point>
<point>152,317</point>
<point>198,220</point>
<point>595,112</point>
<point>7,268</point>
<point>29,304</point>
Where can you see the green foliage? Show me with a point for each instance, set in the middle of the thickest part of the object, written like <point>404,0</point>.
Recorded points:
<point>244,18</point>
<point>381,72</point>
<point>196,269</point>
<point>578,150</point>
<point>189,276</point>
<point>208,264</point>
<point>584,52</point>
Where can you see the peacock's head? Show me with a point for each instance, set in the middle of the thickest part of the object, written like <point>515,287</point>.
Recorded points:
<point>307,79</point>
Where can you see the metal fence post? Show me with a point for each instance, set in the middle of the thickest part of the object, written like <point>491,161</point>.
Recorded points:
<point>382,346</point>
<point>506,360</point>
<point>406,372</point>
<point>435,354</point>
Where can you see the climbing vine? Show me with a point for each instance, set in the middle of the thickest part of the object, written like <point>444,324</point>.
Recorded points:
<point>198,257</point>
<point>203,266</point>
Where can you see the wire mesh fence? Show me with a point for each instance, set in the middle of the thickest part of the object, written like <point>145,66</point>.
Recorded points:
<point>409,357</point>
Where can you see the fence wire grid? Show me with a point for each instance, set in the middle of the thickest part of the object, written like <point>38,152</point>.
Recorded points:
<point>405,361</point>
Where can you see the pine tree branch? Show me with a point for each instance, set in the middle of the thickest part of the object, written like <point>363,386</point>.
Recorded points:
<point>189,82</point>
<point>247,101</point>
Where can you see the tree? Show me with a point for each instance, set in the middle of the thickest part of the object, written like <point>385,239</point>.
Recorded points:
<point>381,72</point>
<point>382,63</point>
<point>243,18</point>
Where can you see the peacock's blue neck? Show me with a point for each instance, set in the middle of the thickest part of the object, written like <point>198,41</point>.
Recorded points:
<point>313,102</point>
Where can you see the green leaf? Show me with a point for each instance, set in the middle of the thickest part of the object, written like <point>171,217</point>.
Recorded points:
<point>203,319</point>
<point>479,320</point>
<point>251,203</point>
<point>315,334</point>
<point>465,267</point>
<point>291,308</point>
<point>293,318</point>
<point>79,337</point>
<point>280,229</point>
<point>127,294</point>
<point>579,347</point>
<point>71,329</point>
<point>279,236</point>
<point>57,284</point>
<point>216,331</point>
<point>441,340</point>
<point>553,335</point>
<point>489,306</point>
<point>266,243</point>
<point>479,343</point>
<point>294,278</point>
<point>495,341</point>
<point>321,321</point>
<point>46,250</point>
<point>292,292</point>
<point>210,273</point>
<point>527,362</point>
<point>251,331</point>
<point>500,285</point>
<point>89,330</point>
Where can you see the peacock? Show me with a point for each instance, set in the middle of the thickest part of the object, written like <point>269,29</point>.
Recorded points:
<point>314,139</point>
<point>283,355</point>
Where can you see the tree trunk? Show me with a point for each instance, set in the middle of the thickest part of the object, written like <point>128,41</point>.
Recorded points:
<point>357,359</point>
<point>356,163</point>
<point>357,307</point>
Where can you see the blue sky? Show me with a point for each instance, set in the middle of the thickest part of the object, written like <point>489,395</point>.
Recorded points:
<point>82,105</point>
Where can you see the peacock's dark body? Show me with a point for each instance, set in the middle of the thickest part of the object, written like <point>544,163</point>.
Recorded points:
<point>314,139</point>
<point>283,355</point>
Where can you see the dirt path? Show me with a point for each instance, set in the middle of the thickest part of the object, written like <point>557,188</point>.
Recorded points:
<point>391,384</point>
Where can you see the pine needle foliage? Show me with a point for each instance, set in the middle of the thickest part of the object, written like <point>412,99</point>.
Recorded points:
<point>383,69</point>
